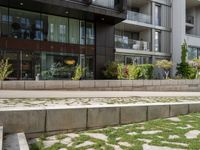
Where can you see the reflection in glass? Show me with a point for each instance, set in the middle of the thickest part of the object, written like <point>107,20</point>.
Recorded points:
<point>74,31</point>
<point>90,33</point>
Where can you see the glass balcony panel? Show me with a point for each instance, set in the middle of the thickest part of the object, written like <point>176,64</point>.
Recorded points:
<point>105,3</point>
<point>124,42</point>
<point>135,16</point>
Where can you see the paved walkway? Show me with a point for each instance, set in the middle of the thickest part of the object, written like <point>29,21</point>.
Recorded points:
<point>77,94</point>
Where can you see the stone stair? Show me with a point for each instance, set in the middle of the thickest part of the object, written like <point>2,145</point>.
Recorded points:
<point>15,141</point>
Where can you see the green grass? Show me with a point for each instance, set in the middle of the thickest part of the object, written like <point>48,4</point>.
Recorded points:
<point>120,134</point>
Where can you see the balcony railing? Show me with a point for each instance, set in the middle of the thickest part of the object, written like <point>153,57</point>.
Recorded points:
<point>105,3</point>
<point>125,43</point>
<point>139,17</point>
<point>190,19</point>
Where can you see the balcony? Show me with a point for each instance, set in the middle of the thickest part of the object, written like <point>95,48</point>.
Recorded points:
<point>125,43</point>
<point>139,17</point>
<point>106,3</point>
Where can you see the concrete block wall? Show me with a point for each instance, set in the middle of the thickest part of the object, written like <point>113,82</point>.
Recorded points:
<point>56,120</point>
<point>104,85</point>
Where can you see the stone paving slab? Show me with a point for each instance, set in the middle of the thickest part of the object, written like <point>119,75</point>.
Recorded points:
<point>16,142</point>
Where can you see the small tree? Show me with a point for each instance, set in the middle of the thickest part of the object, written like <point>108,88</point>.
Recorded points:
<point>184,70</point>
<point>5,69</point>
<point>165,65</point>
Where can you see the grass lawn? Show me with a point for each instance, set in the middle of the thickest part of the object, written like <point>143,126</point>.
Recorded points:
<point>181,132</point>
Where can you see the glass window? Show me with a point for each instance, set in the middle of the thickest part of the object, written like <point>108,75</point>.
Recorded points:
<point>82,32</point>
<point>90,34</point>
<point>157,15</point>
<point>192,53</point>
<point>157,41</point>
<point>57,29</point>
<point>54,65</point>
<point>25,25</point>
<point>74,31</point>
<point>4,20</point>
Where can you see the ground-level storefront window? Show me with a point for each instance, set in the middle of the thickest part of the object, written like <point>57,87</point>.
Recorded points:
<point>47,65</point>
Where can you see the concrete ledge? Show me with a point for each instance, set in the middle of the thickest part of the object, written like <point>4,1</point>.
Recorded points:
<point>51,85</point>
<point>179,109</point>
<point>29,121</point>
<point>71,118</point>
<point>158,111</point>
<point>133,114</point>
<point>71,84</point>
<point>102,117</point>
<point>194,108</point>
<point>114,83</point>
<point>34,85</point>
<point>65,119</point>
<point>87,84</point>
<point>13,85</point>
<point>101,83</point>
<point>105,85</point>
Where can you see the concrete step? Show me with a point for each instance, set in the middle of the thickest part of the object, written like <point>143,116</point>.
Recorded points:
<point>15,142</point>
<point>1,137</point>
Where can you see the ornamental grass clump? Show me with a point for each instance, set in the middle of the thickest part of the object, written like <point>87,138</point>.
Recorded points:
<point>5,69</point>
<point>79,73</point>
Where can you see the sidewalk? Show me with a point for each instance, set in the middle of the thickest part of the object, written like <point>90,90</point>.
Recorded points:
<point>97,94</point>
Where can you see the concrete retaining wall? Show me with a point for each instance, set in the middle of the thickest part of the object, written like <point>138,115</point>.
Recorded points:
<point>56,120</point>
<point>104,85</point>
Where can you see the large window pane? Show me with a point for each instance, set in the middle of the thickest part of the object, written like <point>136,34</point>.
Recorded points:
<point>82,32</point>
<point>25,25</point>
<point>90,33</point>
<point>74,31</point>
<point>157,15</point>
<point>4,21</point>
<point>54,65</point>
<point>192,53</point>
<point>157,41</point>
<point>57,29</point>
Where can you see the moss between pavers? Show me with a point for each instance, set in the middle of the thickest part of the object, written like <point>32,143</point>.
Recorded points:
<point>120,134</point>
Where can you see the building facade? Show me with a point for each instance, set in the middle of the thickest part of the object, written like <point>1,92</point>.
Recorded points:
<point>156,29</point>
<point>50,38</point>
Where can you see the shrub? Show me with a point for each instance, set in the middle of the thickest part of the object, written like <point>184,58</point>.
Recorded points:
<point>165,65</point>
<point>195,63</point>
<point>5,69</point>
<point>79,72</point>
<point>145,71</point>
<point>110,71</point>
<point>132,72</point>
<point>120,71</point>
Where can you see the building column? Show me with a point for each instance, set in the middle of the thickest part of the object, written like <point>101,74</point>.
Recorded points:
<point>178,30</point>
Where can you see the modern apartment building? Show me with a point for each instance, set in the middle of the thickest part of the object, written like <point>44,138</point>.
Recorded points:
<point>156,29</point>
<point>51,37</point>
<point>145,36</point>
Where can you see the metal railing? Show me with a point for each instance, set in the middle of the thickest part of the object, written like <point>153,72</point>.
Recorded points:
<point>135,16</point>
<point>123,42</point>
<point>105,3</point>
